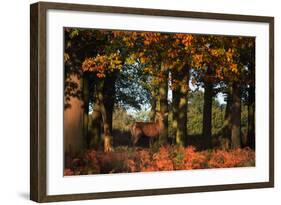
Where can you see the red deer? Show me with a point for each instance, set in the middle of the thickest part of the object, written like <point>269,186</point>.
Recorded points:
<point>147,129</point>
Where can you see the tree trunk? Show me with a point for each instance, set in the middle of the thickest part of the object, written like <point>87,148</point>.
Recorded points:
<point>226,130</point>
<point>163,94</point>
<point>95,136</point>
<point>74,141</point>
<point>251,110</point>
<point>85,107</point>
<point>207,115</point>
<point>153,103</point>
<point>103,111</point>
<point>251,118</point>
<point>181,134</point>
<point>236,116</point>
<point>175,107</point>
<point>227,114</point>
<point>109,97</point>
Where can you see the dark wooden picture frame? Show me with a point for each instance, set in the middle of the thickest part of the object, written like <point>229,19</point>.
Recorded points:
<point>38,101</point>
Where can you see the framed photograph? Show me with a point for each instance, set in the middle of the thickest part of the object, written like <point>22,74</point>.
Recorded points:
<point>135,102</point>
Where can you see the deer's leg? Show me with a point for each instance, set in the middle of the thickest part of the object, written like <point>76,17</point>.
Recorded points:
<point>136,138</point>
<point>137,135</point>
<point>151,142</point>
<point>132,136</point>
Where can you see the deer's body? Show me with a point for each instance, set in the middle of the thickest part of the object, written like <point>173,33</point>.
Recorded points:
<point>147,129</point>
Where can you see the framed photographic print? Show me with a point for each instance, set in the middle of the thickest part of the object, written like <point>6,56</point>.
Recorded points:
<point>134,102</point>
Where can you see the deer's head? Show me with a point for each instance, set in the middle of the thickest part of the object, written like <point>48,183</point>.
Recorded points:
<point>159,116</point>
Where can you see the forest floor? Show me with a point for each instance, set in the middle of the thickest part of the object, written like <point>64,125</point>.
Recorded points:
<point>126,159</point>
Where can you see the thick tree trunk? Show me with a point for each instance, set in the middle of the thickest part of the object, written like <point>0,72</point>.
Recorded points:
<point>95,132</point>
<point>153,103</point>
<point>86,108</point>
<point>103,111</point>
<point>207,115</point>
<point>227,115</point>
<point>181,134</point>
<point>74,141</point>
<point>109,97</point>
<point>163,94</point>
<point>226,130</point>
<point>236,116</point>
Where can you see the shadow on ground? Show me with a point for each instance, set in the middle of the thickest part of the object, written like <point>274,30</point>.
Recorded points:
<point>24,195</point>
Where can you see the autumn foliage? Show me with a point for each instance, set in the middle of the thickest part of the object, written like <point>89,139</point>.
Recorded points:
<point>166,158</point>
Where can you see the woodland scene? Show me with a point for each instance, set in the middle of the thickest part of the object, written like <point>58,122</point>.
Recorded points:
<point>137,101</point>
